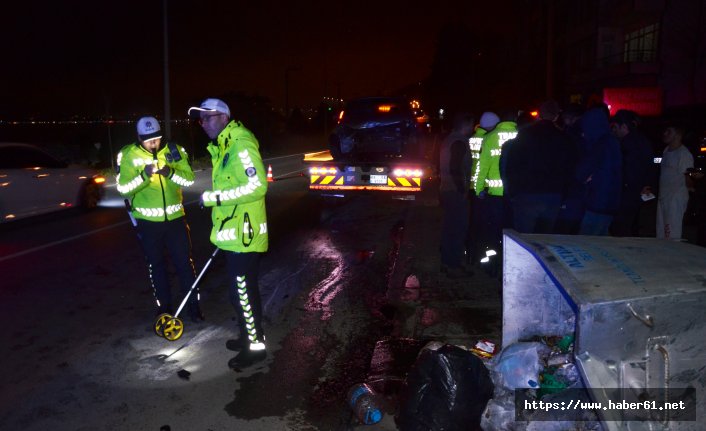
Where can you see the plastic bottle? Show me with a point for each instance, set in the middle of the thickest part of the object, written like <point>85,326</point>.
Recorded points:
<point>364,402</point>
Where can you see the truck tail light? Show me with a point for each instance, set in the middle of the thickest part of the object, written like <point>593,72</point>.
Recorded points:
<point>408,172</point>
<point>322,170</point>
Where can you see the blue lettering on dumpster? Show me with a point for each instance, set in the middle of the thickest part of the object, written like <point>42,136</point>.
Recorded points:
<point>623,267</point>
<point>567,256</point>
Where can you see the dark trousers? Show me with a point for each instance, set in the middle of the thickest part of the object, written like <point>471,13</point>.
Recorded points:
<point>244,293</point>
<point>491,214</point>
<point>173,236</point>
<point>471,243</point>
<point>570,216</point>
<point>535,212</point>
<point>625,222</point>
<point>454,227</point>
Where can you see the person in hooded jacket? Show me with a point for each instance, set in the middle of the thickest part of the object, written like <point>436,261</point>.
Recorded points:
<point>600,170</point>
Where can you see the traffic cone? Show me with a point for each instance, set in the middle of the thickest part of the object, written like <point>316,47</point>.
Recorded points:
<point>269,174</point>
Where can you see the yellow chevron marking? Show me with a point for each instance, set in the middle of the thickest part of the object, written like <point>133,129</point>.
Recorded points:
<point>314,178</point>
<point>404,181</point>
<point>390,182</point>
<point>417,181</point>
<point>328,179</point>
<point>339,182</point>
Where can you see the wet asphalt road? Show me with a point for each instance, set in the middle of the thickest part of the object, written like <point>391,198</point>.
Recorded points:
<point>79,352</point>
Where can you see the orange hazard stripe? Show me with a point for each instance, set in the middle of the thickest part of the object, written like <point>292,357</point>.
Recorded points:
<point>320,179</point>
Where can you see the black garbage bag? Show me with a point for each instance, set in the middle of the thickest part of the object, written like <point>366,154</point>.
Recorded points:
<point>447,389</point>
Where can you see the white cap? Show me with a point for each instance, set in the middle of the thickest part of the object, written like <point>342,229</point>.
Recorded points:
<point>489,120</point>
<point>210,105</point>
<point>148,128</point>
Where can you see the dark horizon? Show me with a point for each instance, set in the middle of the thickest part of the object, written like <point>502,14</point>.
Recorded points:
<point>93,59</point>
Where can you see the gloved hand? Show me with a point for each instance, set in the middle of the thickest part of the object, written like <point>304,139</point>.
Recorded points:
<point>164,171</point>
<point>149,170</point>
<point>201,204</point>
<point>483,194</point>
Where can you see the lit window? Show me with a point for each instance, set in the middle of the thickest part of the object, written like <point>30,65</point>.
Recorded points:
<point>641,45</point>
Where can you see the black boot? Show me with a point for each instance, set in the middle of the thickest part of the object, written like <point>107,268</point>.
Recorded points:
<point>242,342</point>
<point>247,358</point>
<point>237,345</point>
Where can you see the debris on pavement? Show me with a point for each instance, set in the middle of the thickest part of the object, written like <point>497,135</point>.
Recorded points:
<point>447,388</point>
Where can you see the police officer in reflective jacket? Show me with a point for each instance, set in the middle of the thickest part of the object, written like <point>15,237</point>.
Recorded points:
<point>151,177</point>
<point>237,199</point>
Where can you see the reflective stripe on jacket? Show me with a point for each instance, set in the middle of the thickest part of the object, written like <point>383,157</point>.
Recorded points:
<point>157,198</point>
<point>238,196</point>
<point>475,144</point>
<point>488,167</point>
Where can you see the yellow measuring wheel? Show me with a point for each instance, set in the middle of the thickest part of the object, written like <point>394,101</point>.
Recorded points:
<point>159,323</point>
<point>172,328</point>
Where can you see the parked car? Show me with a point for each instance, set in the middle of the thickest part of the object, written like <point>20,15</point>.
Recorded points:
<point>34,182</point>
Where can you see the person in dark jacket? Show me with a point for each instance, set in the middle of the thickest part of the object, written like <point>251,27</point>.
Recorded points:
<point>537,172</point>
<point>638,171</point>
<point>572,207</point>
<point>600,169</point>
<point>455,176</point>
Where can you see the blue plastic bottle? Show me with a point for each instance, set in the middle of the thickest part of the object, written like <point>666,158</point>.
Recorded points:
<point>363,401</point>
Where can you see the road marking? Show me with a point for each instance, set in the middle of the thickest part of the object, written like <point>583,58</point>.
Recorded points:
<point>71,238</point>
<point>65,240</point>
<point>288,173</point>
<point>61,241</point>
<point>283,157</point>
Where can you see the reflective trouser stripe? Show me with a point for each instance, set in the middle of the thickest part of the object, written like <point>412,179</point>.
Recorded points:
<point>248,317</point>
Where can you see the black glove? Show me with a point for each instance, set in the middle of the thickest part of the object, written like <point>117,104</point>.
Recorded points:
<point>164,171</point>
<point>149,170</point>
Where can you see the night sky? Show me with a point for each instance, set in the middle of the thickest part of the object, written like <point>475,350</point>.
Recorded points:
<point>96,58</point>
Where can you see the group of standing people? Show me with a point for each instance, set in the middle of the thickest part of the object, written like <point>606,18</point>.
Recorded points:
<point>571,171</point>
<point>151,177</point>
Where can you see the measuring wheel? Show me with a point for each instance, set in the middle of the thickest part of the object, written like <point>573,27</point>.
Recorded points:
<point>172,328</point>
<point>159,323</point>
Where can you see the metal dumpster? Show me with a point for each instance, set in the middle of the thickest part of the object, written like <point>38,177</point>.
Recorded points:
<point>637,309</point>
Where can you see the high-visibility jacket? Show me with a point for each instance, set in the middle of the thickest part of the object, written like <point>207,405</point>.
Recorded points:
<point>475,144</point>
<point>155,198</point>
<point>239,187</point>
<point>488,168</point>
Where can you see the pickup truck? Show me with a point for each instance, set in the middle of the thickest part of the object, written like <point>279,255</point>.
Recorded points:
<point>377,146</point>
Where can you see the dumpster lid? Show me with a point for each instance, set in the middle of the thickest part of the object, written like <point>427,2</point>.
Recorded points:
<point>598,269</point>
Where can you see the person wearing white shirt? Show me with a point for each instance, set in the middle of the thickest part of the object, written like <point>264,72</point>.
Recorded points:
<point>673,184</point>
